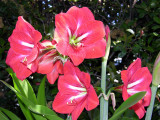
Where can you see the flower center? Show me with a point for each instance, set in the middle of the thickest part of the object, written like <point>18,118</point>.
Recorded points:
<point>74,40</point>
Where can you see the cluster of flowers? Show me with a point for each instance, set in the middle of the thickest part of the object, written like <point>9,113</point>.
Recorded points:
<point>77,36</point>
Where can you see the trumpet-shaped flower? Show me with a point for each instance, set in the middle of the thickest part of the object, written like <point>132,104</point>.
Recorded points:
<point>75,92</point>
<point>49,61</point>
<point>136,79</point>
<point>79,35</point>
<point>23,52</point>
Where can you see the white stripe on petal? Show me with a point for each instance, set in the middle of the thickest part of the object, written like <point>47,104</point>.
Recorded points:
<point>132,91</point>
<point>78,96</point>
<point>27,44</point>
<point>134,83</point>
<point>79,81</point>
<point>69,32</point>
<point>77,88</point>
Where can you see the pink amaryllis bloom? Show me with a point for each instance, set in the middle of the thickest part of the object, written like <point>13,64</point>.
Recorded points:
<point>50,62</point>
<point>23,52</point>
<point>79,35</point>
<point>75,92</point>
<point>136,79</point>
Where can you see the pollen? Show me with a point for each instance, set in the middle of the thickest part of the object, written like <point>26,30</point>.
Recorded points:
<point>25,59</point>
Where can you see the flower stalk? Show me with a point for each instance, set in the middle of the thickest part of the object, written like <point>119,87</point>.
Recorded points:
<point>150,108</point>
<point>103,102</point>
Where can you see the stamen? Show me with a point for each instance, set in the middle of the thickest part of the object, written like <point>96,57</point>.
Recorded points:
<point>81,37</point>
<point>25,59</point>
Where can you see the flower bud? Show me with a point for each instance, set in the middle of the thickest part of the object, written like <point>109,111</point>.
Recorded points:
<point>107,31</point>
<point>156,71</point>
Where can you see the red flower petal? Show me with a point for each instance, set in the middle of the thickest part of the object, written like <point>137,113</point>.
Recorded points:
<point>124,77</point>
<point>21,42</point>
<point>96,49</point>
<point>77,54</point>
<point>146,100</point>
<point>69,68</point>
<point>24,37</point>
<point>139,110</point>
<point>133,68</point>
<point>94,29</point>
<point>53,75</point>
<point>65,25</point>
<point>125,93</point>
<point>84,78</point>
<point>78,110</point>
<point>21,70</point>
<point>46,63</point>
<point>92,99</point>
<point>81,15</point>
<point>60,104</point>
<point>141,80</point>
<point>24,26</point>
<point>69,84</point>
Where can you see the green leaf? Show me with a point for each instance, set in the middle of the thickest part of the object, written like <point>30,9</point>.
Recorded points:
<point>156,19</point>
<point>156,27</point>
<point>25,110</point>
<point>39,117</point>
<point>2,42</point>
<point>41,93</point>
<point>28,90</point>
<point>16,83</point>
<point>23,87</point>
<point>3,117</point>
<point>39,109</point>
<point>128,103</point>
<point>11,115</point>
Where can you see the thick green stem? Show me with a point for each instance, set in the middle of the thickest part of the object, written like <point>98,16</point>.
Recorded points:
<point>103,102</point>
<point>150,108</point>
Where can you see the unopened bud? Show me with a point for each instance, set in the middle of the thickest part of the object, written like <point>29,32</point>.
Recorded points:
<point>156,71</point>
<point>107,31</point>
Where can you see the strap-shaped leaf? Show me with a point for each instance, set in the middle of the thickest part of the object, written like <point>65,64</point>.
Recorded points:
<point>128,103</point>
<point>41,93</point>
<point>10,115</point>
<point>23,87</point>
<point>3,116</point>
<point>39,109</point>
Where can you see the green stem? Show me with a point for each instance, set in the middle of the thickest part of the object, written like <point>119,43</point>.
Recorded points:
<point>150,108</point>
<point>103,102</point>
<point>69,117</point>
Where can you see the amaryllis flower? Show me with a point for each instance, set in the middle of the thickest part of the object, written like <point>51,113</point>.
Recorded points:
<point>75,92</point>
<point>136,79</point>
<point>50,62</point>
<point>79,35</point>
<point>23,52</point>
